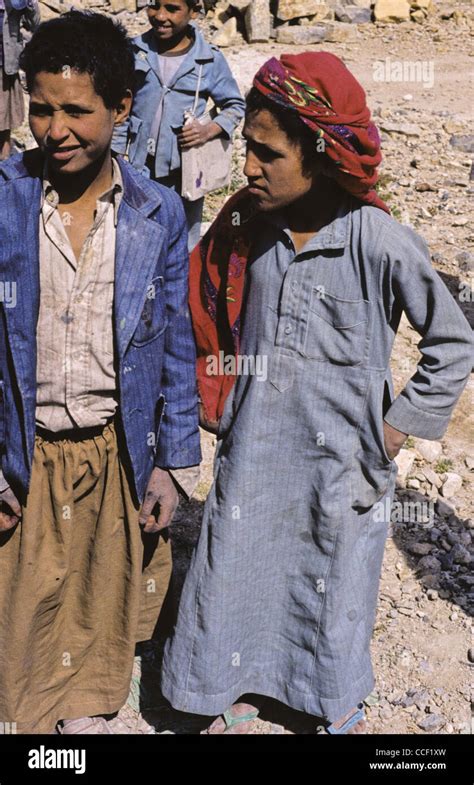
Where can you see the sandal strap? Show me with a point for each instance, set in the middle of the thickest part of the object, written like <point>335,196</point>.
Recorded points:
<point>230,720</point>
<point>353,720</point>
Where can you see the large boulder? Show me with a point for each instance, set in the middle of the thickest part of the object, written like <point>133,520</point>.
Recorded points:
<point>352,14</point>
<point>292,9</point>
<point>341,32</point>
<point>227,35</point>
<point>51,9</point>
<point>116,6</point>
<point>392,11</point>
<point>301,35</point>
<point>258,21</point>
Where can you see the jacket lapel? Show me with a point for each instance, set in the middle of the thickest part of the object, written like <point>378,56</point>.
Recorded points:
<point>138,244</point>
<point>201,53</point>
<point>147,60</point>
<point>19,271</point>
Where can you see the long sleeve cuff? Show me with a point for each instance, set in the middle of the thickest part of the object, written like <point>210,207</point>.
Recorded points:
<point>405,417</point>
<point>227,122</point>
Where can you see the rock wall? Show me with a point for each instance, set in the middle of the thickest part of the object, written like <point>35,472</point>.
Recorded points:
<point>299,22</point>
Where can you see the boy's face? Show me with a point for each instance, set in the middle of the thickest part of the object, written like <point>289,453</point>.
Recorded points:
<point>273,164</point>
<point>170,18</point>
<point>70,122</point>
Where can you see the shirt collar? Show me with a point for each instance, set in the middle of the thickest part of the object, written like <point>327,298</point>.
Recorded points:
<point>336,234</point>
<point>112,194</point>
<point>201,50</point>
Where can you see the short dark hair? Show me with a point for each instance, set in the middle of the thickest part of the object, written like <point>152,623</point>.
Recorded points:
<point>290,122</point>
<point>192,4</point>
<point>87,42</point>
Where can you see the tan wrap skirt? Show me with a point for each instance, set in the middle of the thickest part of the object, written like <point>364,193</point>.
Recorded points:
<point>78,588</point>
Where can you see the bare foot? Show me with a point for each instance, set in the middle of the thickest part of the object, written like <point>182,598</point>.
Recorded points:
<point>237,710</point>
<point>359,727</point>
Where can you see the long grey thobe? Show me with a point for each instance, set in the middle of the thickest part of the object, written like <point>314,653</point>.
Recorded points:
<point>281,593</point>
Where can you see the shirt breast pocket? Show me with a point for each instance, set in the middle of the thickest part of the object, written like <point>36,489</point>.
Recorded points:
<point>153,319</point>
<point>337,329</point>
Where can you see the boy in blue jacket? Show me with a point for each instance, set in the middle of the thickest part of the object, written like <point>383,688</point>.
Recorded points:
<point>98,406</point>
<point>168,59</point>
<point>13,15</point>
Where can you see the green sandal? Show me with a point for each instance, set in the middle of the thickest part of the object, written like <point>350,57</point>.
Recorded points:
<point>231,721</point>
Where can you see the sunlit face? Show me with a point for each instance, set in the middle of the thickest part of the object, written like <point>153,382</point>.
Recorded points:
<point>69,121</point>
<point>273,163</point>
<point>170,18</point>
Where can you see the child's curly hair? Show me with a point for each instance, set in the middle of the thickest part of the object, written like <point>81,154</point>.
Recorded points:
<point>87,42</point>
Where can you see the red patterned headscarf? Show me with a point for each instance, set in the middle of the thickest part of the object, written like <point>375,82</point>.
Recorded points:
<point>331,102</point>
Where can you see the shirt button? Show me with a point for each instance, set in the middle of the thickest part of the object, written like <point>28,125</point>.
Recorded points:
<point>294,286</point>
<point>288,329</point>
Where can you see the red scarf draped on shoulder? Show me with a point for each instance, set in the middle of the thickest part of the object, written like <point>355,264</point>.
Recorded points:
<point>331,102</point>
<point>216,284</point>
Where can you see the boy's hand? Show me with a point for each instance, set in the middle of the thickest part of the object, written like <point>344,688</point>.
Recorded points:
<point>194,134</point>
<point>160,490</point>
<point>394,440</point>
<point>10,510</point>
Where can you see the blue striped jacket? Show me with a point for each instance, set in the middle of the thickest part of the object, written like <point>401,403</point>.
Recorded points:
<point>154,346</point>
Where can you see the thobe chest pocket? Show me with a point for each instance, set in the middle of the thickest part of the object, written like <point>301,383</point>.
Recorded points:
<point>337,328</point>
<point>153,319</point>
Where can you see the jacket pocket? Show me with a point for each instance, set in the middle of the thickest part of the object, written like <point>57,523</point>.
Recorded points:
<point>153,319</point>
<point>337,328</point>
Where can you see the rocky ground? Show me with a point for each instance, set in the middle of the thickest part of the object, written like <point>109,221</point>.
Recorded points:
<point>422,645</point>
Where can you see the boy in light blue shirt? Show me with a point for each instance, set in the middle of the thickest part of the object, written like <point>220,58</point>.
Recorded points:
<point>168,59</point>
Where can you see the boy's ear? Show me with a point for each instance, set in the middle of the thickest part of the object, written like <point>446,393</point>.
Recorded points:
<point>123,109</point>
